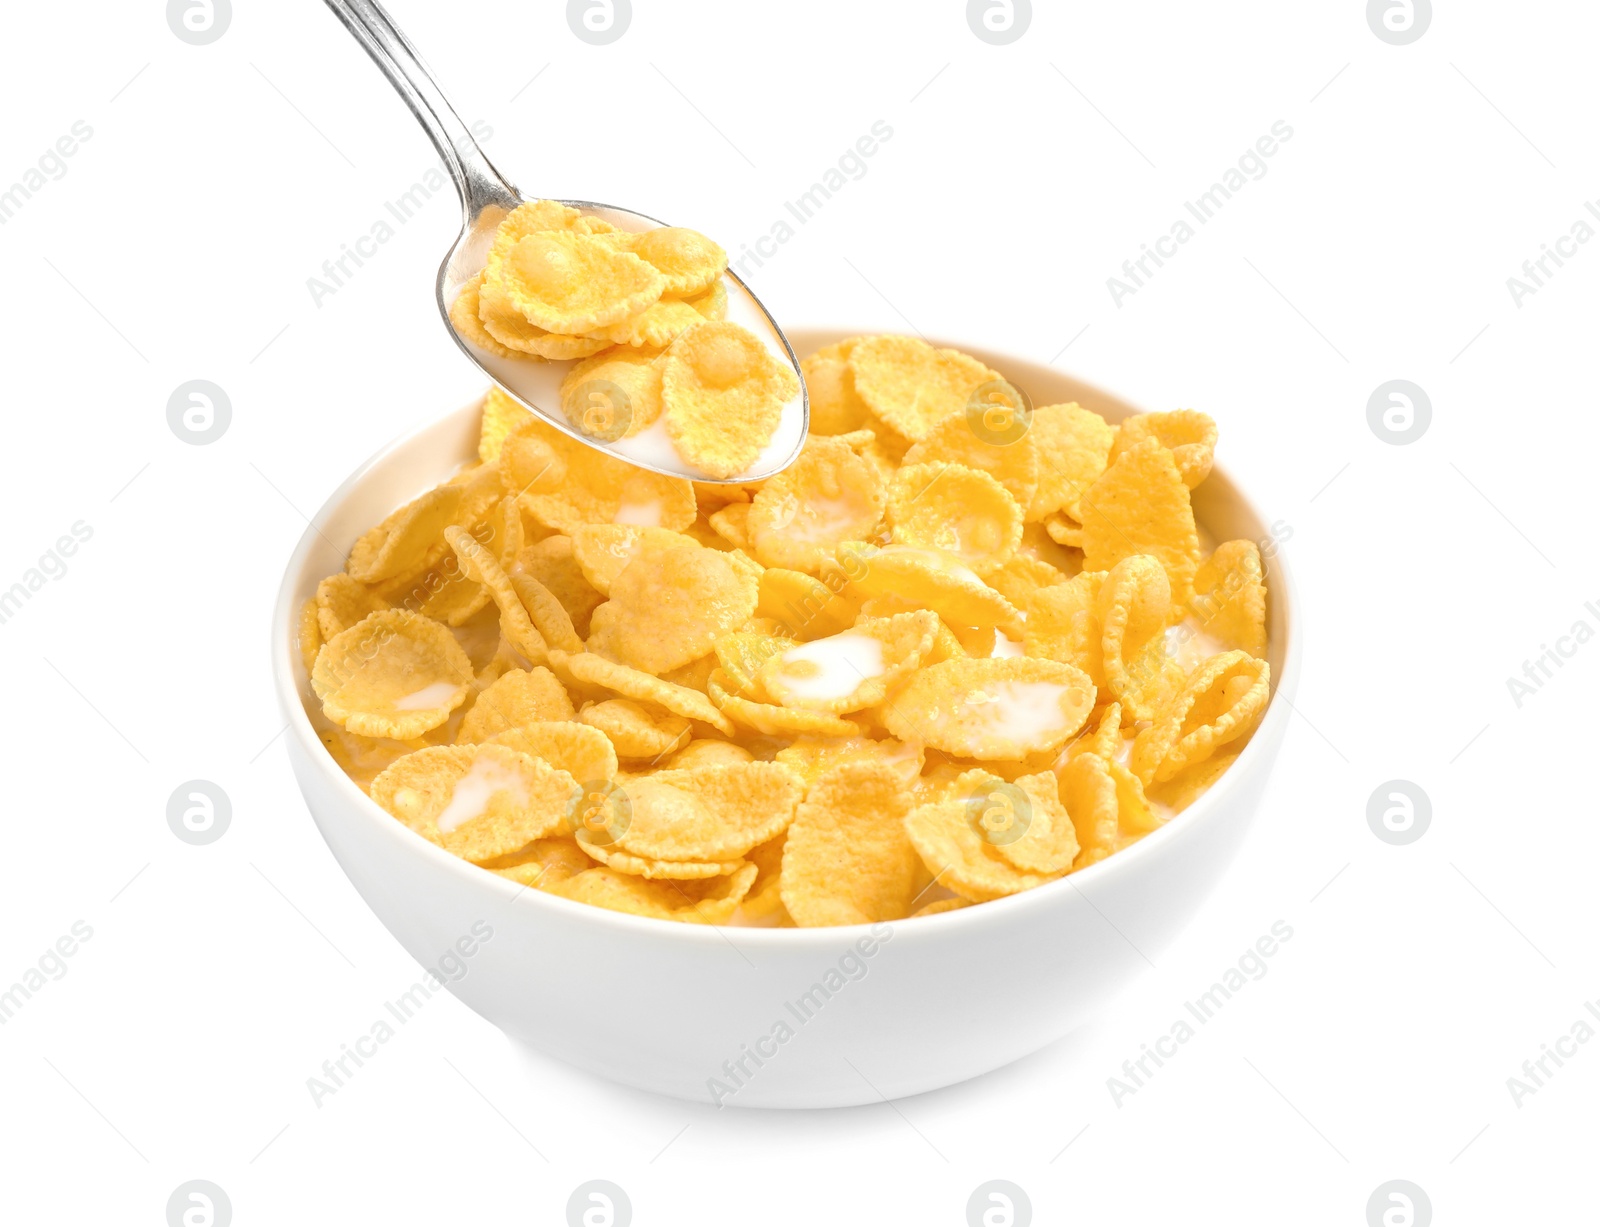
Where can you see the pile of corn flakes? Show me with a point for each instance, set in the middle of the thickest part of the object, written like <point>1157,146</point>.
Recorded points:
<point>962,647</point>
<point>645,312</point>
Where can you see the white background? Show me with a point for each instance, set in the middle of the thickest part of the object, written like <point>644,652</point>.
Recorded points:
<point>219,178</point>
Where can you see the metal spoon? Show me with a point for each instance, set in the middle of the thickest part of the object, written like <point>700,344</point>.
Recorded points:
<point>486,198</point>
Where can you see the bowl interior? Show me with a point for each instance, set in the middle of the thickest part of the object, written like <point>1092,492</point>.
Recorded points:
<point>409,466</point>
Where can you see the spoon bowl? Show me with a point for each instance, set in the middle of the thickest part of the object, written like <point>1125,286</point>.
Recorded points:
<point>486,198</point>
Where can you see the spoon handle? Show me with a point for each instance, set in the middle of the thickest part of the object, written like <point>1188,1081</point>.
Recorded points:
<point>478,182</point>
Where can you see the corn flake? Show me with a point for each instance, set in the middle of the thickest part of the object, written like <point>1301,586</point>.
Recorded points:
<point>910,386</point>
<point>516,698</point>
<point>1000,708</point>
<point>1074,446</point>
<point>852,670</point>
<point>829,495</point>
<point>669,606</point>
<point>1190,435</point>
<point>1221,702</point>
<point>847,859</point>
<point>1141,506</point>
<point>478,802</point>
<point>635,731</point>
<point>1230,600</point>
<point>724,394</point>
<point>963,512</point>
<point>393,674</point>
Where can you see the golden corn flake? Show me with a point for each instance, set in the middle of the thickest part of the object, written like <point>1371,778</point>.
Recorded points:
<point>962,511</point>
<point>636,731</point>
<point>847,859</point>
<point>656,327</point>
<point>1230,600</point>
<point>393,674</point>
<point>940,906</point>
<point>602,550</point>
<point>543,863</point>
<point>712,902</point>
<point>571,283</point>
<point>1074,446</point>
<point>504,324</point>
<point>773,720</point>
<point>804,606</point>
<point>1089,791</point>
<point>643,866</point>
<point>829,495</point>
<point>403,542</point>
<point>1064,530</point>
<point>734,807</point>
<point>930,578</point>
<point>959,855</point>
<point>548,615</point>
<point>1022,820</point>
<point>553,562</point>
<point>1063,624</point>
<point>814,757</point>
<point>1141,506</point>
<point>309,634</point>
<point>1000,708</point>
<point>689,262</point>
<point>1221,702</point>
<point>712,304</point>
<point>831,390</point>
<point>732,524</point>
<point>1021,576</point>
<point>341,602</point>
<point>741,656</point>
<point>464,316</point>
<point>478,802</point>
<point>852,670</point>
<point>529,461</point>
<point>501,415</point>
<point>910,386</point>
<point>765,899</point>
<point>483,567</point>
<point>965,440</point>
<point>582,751</point>
<point>707,752</point>
<point>600,489</point>
<point>669,606</point>
<point>517,697</point>
<point>1188,785</point>
<point>724,393</point>
<point>1134,608</point>
<point>683,701</point>
<point>1190,435</point>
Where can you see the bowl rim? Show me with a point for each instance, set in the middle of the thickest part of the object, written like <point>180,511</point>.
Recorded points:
<point>504,892</point>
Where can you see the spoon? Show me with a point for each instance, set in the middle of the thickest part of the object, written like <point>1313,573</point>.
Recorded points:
<point>486,198</point>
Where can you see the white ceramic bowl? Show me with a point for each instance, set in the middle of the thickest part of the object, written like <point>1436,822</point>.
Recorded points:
<point>776,1018</point>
